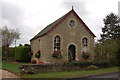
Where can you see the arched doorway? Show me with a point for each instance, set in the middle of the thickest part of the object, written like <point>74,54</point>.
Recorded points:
<point>71,53</point>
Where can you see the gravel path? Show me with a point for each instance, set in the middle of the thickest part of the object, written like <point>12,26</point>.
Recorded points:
<point>8,74</point>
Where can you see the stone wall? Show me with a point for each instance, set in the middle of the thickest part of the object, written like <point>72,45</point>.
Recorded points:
<point>36,68</point>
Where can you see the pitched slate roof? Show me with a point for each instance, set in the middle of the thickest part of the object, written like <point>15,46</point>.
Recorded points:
<point>53,25</point>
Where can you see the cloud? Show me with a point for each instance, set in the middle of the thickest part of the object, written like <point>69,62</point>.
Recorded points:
<point>79,6</point>
<point>0,14</point>
<point>11,14</point>
<point>119,8</point>
<point>31,16</point>
<point>13,17</point>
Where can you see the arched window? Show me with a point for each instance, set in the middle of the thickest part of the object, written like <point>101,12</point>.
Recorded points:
<point>57,43</point>
<point>85,42</point>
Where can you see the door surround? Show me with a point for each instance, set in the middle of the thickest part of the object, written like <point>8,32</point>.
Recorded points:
<point>71,52</point>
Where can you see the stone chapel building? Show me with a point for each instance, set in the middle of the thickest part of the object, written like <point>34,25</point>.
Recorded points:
<point>68,35</point>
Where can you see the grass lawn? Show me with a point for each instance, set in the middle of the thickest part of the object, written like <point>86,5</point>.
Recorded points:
<point>14,68</point>
<point>11,66</point>
<point>71,73</point>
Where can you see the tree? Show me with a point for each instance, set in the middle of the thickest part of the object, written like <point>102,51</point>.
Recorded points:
<point>106,50</point>
<point>26,44</point>
<point>8,36</point>
<point>109,43</point>
<point>20,45</point>
<point>111,30</point>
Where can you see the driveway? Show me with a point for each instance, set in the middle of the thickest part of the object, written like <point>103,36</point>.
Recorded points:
<point>8,75</point>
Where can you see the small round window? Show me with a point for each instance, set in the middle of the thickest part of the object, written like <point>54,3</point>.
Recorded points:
<point>72,23</point>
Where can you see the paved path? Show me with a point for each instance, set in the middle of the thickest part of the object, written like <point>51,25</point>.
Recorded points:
<point>8,74</point>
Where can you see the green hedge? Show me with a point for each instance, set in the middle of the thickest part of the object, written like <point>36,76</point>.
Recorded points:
<point>100,64</point>
<point>11,52</point>
<point>5,57</point>
<point>22,53</point>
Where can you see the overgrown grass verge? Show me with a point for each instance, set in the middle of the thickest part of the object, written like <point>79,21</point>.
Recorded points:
<point>14,68</point>
<point>71,73</point>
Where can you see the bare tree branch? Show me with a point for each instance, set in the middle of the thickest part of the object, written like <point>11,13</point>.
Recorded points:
<point>9,35</point>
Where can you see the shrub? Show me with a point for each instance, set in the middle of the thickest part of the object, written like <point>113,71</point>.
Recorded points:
<point>82,64</point>
<point>114,62</point>
<point>11,52</point>
<point>22,54</point>
<point>26,44</point>
<point>33,61</point>
<point>100,64</point>
<point>57,54</point>
<point>40,62</point>
<point>91,67</point>
<point>38,54</point>
<point>5,51</point>
<point>31,53</point>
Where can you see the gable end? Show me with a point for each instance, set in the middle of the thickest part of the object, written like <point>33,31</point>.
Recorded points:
<point>53,25</point>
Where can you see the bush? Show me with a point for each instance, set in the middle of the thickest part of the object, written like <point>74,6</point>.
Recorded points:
<point>33,61</point>
<point>31,53</point>
<point>57,54</point>
<point>114,62</point>
<point>38,54</point>
<point>11,54</point>
<point>26,44</point>
<point>91,67</point>
<point>100,64</point>
<point>40,62</point>
<point>22,54</point>
<point>82,64</point>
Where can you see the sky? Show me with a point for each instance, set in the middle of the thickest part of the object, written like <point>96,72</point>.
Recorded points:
<point>31,16</point>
